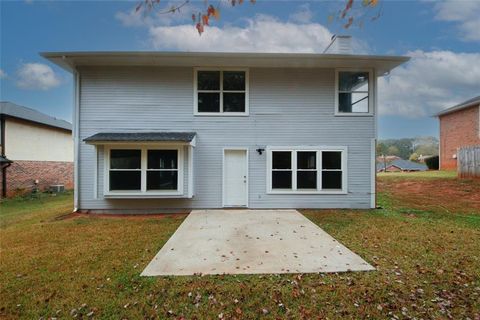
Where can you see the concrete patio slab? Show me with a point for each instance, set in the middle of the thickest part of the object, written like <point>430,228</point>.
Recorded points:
<point>251,242</point>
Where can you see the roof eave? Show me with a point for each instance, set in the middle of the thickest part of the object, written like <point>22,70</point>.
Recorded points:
<point>458,108</point>
<point>71,60</point>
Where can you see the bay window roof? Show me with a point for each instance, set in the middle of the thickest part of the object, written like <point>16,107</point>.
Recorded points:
<point>126,137</point>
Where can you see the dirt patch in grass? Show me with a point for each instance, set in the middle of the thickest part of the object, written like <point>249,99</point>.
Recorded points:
<point>74,215</point>
<point>448,195</point>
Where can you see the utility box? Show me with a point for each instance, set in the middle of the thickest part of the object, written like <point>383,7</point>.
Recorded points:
<point>57,188</point>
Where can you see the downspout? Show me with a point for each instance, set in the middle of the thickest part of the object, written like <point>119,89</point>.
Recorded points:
<point>4,169</point>
<point>76,139</point>
<point>374,160</point>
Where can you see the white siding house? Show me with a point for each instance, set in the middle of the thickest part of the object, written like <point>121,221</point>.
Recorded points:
<point>158,131</point>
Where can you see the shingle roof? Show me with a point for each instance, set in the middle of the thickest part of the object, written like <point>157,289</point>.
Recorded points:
<point>21,112</point>
<point>408,165</point>
<point>141,137</point>
<point>466,104</point>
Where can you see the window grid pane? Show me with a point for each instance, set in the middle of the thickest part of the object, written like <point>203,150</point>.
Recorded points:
<point>125,180</point>
<point>208,80</point>
<point>125,159</point>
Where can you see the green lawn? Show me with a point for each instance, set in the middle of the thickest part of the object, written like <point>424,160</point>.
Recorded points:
<point>427,254</point>
<point>444,174</point>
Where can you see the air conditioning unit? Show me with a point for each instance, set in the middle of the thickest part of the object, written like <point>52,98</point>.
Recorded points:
<point>57,188</point>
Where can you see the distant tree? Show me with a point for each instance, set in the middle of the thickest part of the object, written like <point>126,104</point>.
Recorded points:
<point>381,149</point>
<point>393,151</point>
<point>426,146</point>
<point>414,157</point>
<point>349,13</point>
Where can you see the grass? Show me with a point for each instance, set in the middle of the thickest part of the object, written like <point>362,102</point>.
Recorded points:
<point>427,258</point>
<point>444,174</point>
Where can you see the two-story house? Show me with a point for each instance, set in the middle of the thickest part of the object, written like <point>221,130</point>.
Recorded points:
<point>160,131</point>
<point>36,151</point>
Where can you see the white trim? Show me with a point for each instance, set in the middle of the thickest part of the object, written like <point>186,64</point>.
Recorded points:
<point>373,173</point>
<point>190,185</point>
<point>76,140</point>
<point>371,91</point>
<point>247,175</point>
<point>318,149</point>
<point>373,152</point>
<point>221,113</point>
<point>143,192</point>
<point>95,175</point>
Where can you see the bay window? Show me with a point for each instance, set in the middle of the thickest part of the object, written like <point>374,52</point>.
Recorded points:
<point>306,170</point>
<point>143,170</point>
<point>221,92</point>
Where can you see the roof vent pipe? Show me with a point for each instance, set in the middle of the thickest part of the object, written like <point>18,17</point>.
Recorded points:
<point>339,45</point>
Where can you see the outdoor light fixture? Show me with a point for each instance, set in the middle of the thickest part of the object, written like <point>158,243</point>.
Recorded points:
<point>260,151</point>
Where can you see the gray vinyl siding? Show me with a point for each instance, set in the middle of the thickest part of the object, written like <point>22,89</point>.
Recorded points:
<point>288,107</point>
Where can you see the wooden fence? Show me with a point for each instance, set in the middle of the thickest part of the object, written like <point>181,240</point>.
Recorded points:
<point>468,162</point>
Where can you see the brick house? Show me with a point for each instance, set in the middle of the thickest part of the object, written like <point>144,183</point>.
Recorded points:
<point>459,127</point>
<point>36,150</point>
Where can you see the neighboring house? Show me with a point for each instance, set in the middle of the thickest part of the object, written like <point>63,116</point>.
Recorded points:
<point>459,127</point>
<point>36,150</point>
<point>401,165</point>
<point>157,131</point>
<point>387,158</point>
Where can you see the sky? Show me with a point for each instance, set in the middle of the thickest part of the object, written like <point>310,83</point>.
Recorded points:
<point>441,37</point>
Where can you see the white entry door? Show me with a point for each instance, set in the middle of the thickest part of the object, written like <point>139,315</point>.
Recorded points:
<point>235,175</point>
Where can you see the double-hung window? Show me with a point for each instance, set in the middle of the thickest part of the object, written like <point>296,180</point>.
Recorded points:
<point>353,92</point>
<point>143,170</point>
<point>306,170</point>
<point>221,92</point>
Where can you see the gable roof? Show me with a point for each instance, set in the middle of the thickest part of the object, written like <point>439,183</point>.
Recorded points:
<point>71,60</point>
<point>408,165</point>
<point>466,104</point>
<point>21,112</point>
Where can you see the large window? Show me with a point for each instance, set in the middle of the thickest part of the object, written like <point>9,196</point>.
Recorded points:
<point>143,170</point>
<point>353,92</point>
<point>221,92</point>
<point>306,170</point>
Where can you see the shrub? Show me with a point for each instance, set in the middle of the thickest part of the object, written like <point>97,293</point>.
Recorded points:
<point>432,163</point>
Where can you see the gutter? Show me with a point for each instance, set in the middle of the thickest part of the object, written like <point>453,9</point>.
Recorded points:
<point>4,169</point>
<point>76,137</point>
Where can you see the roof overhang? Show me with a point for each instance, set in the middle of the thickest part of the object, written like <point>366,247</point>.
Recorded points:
<point>172,138</point>
<point>464,105</point>
<point>70,61</point>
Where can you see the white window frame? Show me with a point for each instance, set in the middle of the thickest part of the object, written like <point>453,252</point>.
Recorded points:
<point>221,91</point>
<point>143,168</point>
<point>318,150</point>
<point>371,103</point>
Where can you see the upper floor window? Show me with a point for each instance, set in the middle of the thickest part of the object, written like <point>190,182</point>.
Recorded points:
<point>353,92</point>
<point>221,92</point>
